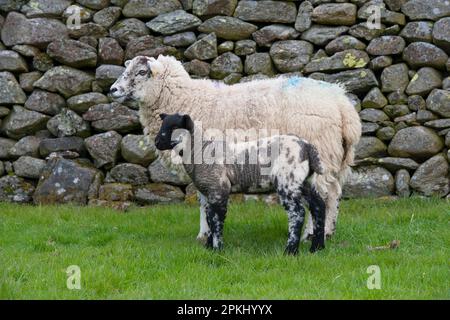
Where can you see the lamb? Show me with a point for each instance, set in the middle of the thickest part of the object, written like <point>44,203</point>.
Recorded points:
<point>293,161</point>
<point>313,110</point>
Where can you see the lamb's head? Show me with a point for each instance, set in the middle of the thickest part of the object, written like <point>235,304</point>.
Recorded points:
<point>142,79</point>
<point>167,138</point>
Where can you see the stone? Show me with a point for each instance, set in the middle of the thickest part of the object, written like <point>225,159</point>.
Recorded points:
<point>27,146</point>
<point>425,116</point>
<point>203,49</point>
<point>107,74</point>
<point>393,164</point>
<point>149,8</point>
<point>73,53</point>
<point>112,117</point>
<point>225,46</point>
<point>27,80</point>
<point>159,173</point>
<point>423,54</point>
<point>138,149</point>
<point>396,110</point>
<point>232,78</point>
<point>131,173</point>
<point>386,45</point>
<point>183,39</point>
<point>446,84</point>
<point>228,28</point>
<point>213,7</point>
<point>397,97</point>
<point>158,193</point>
<point>148,46</point>
<point>28,167</point>
<point>12,61</point>
<point>197,68</point>
<point>321,35</point>
<point>259,62</point>
<point>266,11</point>
<point>265,36</point>
<point>439,102</point>
<point>65,80</point>
<point>94,4</point>
<point>385,133</point>
<point>304,20</point>
<point>4,111</point>
<point>373,115</point>
<point>110,52</point>
<point>45,8</point>
<point>341,14</point>
<point>72,144</point>
<point>5,147</point>
<point>356,81</point>
<point>128,29</point>
<point>402,179</point>
<point>15,189</point>
<point>431,178</point>
<point>362,31</point>
<point>90,29</point>
<point>417,31</point>
<point>42,62</point>
<point>10,90</point>
<point>258,76</point>
<point>348,59</point>
<point>245,47</point>
<point>224,65</point>
<point>173,22</point>
<point>45,102</point>
<point>81,103</point>
<point>65,181</point>
<point>374,99</point>
<point>343,43</point>
<point>39,32</point>
<point>291,55</point>
<point>438,124</point>
<point>116,192</point>
<point>370,181</point>
<point>104,148</point>
<point>68,123</point>
<point>370,147</point>
<point>394,78</point>
<point>426,10</point>
<point>418,143</point>
<point>107,17</point>
<point>416,103</point>
<point>441,34</point>
<point>21,122</point>
<point>425,80</point>
<point>369,127</point>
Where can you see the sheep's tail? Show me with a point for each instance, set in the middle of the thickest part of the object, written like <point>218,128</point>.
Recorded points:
<point>313,158</point>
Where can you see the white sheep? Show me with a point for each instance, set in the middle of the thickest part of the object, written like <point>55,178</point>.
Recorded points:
<point>313,110</point>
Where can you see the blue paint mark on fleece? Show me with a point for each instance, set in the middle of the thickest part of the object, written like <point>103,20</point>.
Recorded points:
<point>292,82</point>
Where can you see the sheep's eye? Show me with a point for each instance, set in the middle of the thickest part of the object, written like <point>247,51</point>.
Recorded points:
<point>142,73</point>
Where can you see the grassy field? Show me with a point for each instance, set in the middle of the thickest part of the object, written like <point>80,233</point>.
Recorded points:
<point>151,253</point>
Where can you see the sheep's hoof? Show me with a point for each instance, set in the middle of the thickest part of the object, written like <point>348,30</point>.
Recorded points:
<point>202,238</point>
<point>291,251</point>
<point>307,237</point>
<point>316,247</point>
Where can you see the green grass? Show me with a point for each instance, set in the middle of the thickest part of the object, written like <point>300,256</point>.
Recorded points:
<point>151,253</point>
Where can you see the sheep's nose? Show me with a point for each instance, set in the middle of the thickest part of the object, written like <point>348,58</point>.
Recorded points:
<point>113,89</point>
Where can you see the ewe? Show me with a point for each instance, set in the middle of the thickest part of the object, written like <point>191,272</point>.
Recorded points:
<point>292,161</point>
<point>313,110</point>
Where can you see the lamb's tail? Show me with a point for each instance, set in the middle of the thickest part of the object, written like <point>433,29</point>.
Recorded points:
<point>313,158</point>
<point>351,131</point>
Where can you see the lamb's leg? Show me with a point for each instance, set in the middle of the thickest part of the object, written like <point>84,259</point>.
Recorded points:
<point>296,217</point>
<point>202,236</point>
<point>317,208</point>
<point>215,213</point>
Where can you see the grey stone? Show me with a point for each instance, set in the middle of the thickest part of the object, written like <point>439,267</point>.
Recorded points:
<point>370,147</point>
<point>45,8</point>
<point>128,173</point>
<point>393,164</point>
<point>128,29</point>
<point>159,173</point>
<point>15,189</point>
<point>369,127</point>
<point>45,102</point>
<point>72,144</point>
<point>402,179</point>
<point>109,51</point>
<point>148,46</point>
<point>42,62</point>
<point>373,115</point>
<point>426,10</point>
<point>90,29</point>
<point>397,97</point>
<point>348,59</point>
<point>73,53</point>
<point>425,80</point>
<point>66,181</point>
<point>17,29</point>
<point>417,31</point>
<point>149,8</point>
<point>21,122</point>
<point>438,124</point>
<point>94,4</point>
<point>370,181</point>
<point>28,79</point>
<point>259,62</point>
<point>68,123</point>
<point>356,81</point>
<point>197,68</point>
<point>361,31</point>
<point>394,78</point>
<point>10,90</point>
<point>303,21</point>
<point>386,133</point>
<point>116,192</point>
<point>112,117</point>
<point>441,33</point>
<point>425,116</point>
<point>27,146</point>
<point>107,74</point>
<point>439,102</point>
<point>183,39</point>
<point>225,64</point>
<point>107,17</point>
<point>138,149</point>
<point>158,193</point>
<point>291,55</point>
<point>431,178</point>
<point>4,111</point>
<point>424,54</point>
<point>416,103</point>
<point>321,35</point>
<point>374,99</point>
<point>386,45</point>
<point>214,7</point>
<point>173,22</point>
<point>265,36</point>
<point>418,143</point>
<point>225,46</point>
<point>396,110</point>
<point>203,49</point>
<point>341,14</point>
<point>244,47</point>
<point>342,43</point>
<point>5,147</point>
<point>12,61</point>
<point>66,81</point>
<point>28,167</point>
<point>228,28</point>
<point>266,11</point>
<point>104,148</point>
<point>81,103</point>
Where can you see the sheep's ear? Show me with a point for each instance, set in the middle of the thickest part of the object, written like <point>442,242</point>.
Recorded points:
<point>188,123</point>
<point>127,63</point>
<point>155,66</point>
<point>163,116</point>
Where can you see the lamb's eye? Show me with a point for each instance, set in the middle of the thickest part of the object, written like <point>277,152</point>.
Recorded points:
<point>142,73</point>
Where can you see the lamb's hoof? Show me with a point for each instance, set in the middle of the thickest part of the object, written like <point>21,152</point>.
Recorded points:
<point>202,238</point>
<point>307,237</point>
<point>291,251</point>
<point>316,247</point>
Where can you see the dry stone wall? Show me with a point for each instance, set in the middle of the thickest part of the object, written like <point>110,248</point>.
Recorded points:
<point>63,140</point>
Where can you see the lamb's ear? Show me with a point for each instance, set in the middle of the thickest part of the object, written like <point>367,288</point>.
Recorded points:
<point>163,116</point>
<point>188,123</point>
<point>155,66</point>
<point>127,63</point>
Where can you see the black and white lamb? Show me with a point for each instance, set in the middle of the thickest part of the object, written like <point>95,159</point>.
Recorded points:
<point>292,164</point>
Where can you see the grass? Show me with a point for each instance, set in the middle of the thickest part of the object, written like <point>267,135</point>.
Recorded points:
<point>151,253</point>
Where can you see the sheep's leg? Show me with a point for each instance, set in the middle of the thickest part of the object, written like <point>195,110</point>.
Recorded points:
<point>296,217</point>
<point>216,213</point>
<point>317,208</point>
<point>202,236</point>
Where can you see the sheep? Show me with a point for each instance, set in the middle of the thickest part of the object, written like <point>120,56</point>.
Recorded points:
<point>314,110</point>
<point>293,161</point>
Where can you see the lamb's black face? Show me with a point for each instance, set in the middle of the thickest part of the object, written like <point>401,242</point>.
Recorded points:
<point>163,140</point>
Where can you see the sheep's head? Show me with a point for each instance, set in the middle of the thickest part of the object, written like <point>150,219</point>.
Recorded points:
<point>140,80</point>
<point>167,137</point>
